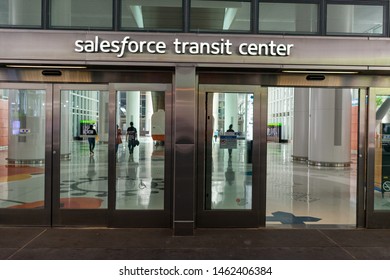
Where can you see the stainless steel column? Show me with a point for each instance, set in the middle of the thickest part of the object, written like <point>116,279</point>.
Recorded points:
<point>184,127</point>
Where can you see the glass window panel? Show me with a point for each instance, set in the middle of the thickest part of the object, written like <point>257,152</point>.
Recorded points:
<point>229,170</point>
<point>290,18</point>
<point>84,153</point>
<point>22,148</point>
<point>382,151</point>
<point>81,14</point>
<point>354,19</point>
<point>23,13</point>
<point>152,15</point>
<point>140,167</point>
<point>220,16</point>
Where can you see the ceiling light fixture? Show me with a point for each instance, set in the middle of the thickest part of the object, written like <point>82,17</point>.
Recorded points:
<point>46,66</point>
<point>319,72</point>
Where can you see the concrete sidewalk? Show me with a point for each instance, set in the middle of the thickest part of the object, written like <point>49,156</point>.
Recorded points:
<point>30,243</point>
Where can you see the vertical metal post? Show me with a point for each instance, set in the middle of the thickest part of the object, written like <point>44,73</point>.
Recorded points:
<point>184,125</point>
<point>361,161</point>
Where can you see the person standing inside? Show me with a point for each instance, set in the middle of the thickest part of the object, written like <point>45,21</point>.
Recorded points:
<point>131,137</point>
<point>230,131</point>
<point>91,133</point>
<point>118,138</point>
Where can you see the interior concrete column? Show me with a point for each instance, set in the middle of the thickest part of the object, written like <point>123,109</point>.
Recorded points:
<point>132,109</point>
<point>301,124</point>
<point>149,112</point>
<point>215,111</point>
<point>103,117</point>
<point>231,111</point>
<point>330,127</point>
<point>66,120</point>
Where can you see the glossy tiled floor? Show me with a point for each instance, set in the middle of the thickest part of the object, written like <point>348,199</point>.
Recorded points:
<point>296,194</point>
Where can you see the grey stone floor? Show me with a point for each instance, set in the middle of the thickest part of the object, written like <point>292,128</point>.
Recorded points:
<point>24,243</point>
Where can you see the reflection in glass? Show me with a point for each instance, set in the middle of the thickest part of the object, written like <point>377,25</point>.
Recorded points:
<point>354,19</point>
<point>229,166</point>
<point>152,15</point>
<point>290,18</point>
<point>23,13</point>
<point>81,14</point>
<point>83,175</point>
<point>22,148</point>
<point>382,152</point>
<point>140,171</point>
<point>220,15</point>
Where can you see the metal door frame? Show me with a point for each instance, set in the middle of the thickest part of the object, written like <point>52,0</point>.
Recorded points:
<point>233,218</point>
<point>35,216</point>
<point>375,218</point>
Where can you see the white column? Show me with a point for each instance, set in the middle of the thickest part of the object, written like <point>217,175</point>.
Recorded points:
<point>103,116</point>
<point>301,124</point>
<point>330,127</point>
<point>215,111</point>
<point>65,123</point>
<point>132,108</point>
<point>118,109</point>
<point>231,111</point>
<point>149,112</point>
<point>26,112</point>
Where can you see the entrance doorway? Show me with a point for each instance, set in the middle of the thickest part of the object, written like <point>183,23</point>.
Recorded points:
<point>59,164</point>
<point>256,175</point>
<point>312,150</point>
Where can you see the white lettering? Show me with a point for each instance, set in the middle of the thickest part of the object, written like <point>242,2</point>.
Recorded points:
<point>271,49</point>
<point>105,46</point>
<point>123,44</point>
<point>221,47</point>
<point>161,47</point>
<point>79,47</point>
<point>115,46</point>
<point>89,46</point>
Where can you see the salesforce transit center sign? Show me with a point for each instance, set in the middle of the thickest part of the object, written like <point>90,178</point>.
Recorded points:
<point>179,47</point>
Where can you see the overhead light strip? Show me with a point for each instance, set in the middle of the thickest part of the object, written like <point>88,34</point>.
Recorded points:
<point>46,66</point>
<point>319,72</point>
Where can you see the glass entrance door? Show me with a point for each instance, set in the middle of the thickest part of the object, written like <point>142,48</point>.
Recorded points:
<point>80,148</point>
<point>229,154</point>
<point>142,155</point>
<point>378,172</point>
<point>25,155</point>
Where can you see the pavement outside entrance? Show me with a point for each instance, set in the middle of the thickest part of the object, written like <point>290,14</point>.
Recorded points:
<point>36,243</point>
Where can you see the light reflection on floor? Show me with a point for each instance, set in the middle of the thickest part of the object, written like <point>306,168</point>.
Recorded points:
<point>296,193</point>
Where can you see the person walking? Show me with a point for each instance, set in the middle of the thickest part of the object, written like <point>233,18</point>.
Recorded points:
<point>131,137</point>
<point>91,134</point>
<point>230,131</point>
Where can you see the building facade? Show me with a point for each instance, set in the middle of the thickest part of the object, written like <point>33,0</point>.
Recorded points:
<point>247,113</point>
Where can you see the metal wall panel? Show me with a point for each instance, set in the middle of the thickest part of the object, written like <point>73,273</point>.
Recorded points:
<point>184,124</point>
<point>58,47</point>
